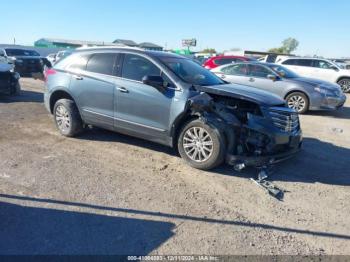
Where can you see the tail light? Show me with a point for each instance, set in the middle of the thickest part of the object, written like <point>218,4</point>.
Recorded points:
<point>49,71</point>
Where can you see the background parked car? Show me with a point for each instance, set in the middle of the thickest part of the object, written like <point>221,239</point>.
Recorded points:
<point>52,58</point>
<point>319,68</point>
<point>220,60</point>
<point>62,54</point>
<point>26,61</point>
<point>9,80</point>
<point>300,93</point>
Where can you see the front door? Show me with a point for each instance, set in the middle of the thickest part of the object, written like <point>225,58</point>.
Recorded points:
<point>258,77</point>
<point>323,70</point>
<point>141,109</point>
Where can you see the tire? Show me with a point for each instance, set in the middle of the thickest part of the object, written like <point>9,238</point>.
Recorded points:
<point>298,101</point>
<point>67,118</point>
<point>344,84</point>
<point>215,152</point>
<point>16,90</point>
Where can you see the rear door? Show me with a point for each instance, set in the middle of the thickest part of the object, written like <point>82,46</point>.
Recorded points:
<point>236,73</point>
<point>93,85</point>
<point>302,67</point>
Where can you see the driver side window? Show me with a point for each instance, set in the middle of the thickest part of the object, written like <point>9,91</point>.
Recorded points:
<point>136,67</point>
<point>322,64</point>
<point>239,69</point>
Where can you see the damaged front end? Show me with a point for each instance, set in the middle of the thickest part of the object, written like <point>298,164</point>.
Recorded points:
<point>258,134</point>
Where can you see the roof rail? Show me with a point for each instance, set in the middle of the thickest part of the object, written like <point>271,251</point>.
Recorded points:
<point>108,47</point>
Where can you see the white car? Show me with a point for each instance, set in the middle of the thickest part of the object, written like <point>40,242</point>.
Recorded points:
<point>319,68</point>
<point>51,58</point>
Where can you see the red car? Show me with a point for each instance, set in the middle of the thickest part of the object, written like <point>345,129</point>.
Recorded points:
<point>216,61</point>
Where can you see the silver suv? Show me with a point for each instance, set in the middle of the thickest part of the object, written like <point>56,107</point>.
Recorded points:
<point>169,99</point>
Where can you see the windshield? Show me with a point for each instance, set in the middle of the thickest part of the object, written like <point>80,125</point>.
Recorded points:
<point>21,52</point>
<point>191,72</point>
<point>283,72</point>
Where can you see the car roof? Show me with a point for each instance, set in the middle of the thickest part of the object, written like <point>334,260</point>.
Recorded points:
<point>136,50</point>
<point>226,56</point>
<point>304,58</point>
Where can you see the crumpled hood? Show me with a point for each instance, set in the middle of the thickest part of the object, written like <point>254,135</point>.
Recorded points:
<point>243,92</point>
<point>316,82</point>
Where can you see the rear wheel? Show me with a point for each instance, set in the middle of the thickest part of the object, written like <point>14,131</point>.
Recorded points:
<point>67,118</point>
<point>201,145</point>
<point>344,84</point>
<point>298,101</point>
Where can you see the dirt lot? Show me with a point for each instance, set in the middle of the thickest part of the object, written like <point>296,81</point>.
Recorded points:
<point>105,193</point>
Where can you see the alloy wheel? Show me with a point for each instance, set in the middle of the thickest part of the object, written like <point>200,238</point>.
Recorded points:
<point>345,85</point>
<point>62,118</point>
<point>198,144</point>
<point>297,103</point>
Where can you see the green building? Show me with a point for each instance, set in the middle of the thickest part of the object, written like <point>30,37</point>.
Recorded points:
<point>63,43</point>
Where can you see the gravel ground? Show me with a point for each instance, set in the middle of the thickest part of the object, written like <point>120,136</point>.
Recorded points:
<point>106,193</point>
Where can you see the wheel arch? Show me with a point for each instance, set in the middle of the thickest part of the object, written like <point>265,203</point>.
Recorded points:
<point>342,77</point>
<point>179,123</point>
<point>57,95</point>
<point>297,91</point>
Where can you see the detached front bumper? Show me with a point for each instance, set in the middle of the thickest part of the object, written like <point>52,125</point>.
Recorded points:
<point>263,160</point>
<point>274,137</point>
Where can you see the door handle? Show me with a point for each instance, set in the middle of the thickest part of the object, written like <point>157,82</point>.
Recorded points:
<point>78,77</point>
<point>251,79</point>
<point>123,89</point>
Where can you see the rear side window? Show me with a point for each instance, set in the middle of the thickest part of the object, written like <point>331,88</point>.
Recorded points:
<point>136,67</point>
<point>101,63</point>
<point>79,62</point>
<point>298,62</point>
<point>303,62</point>
<point>289,62</point>
<point>239,69</point>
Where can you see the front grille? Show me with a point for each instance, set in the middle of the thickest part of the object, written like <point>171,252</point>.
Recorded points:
<point>285,120</point>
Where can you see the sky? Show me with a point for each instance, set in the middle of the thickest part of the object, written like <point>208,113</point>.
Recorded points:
<point>321,26</point>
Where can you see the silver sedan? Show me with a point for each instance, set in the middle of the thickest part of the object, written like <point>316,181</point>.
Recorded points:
<point>300,93</point>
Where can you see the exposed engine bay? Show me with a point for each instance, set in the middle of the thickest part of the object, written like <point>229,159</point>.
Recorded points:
<point>257,135</point>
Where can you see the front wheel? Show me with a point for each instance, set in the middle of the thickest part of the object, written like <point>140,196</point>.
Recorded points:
<point>344,84</point>
<point>201,145</point>
<point>298,101</point>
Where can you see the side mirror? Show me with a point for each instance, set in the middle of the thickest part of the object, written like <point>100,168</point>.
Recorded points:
<point>155,81</point>
<point>272,77</point>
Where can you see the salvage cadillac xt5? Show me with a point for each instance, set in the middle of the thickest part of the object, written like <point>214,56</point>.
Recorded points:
<point>171,100</point>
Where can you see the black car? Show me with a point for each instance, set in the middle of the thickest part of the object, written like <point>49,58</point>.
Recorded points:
<point>9,80</point>
<point>26,61</point>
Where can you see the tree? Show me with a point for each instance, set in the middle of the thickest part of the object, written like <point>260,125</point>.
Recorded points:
<point>288,46</point>
<point>209,50</point>
<point>277,50</point>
